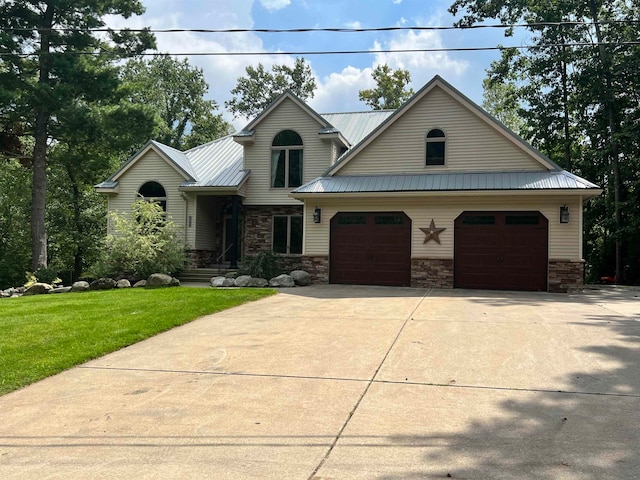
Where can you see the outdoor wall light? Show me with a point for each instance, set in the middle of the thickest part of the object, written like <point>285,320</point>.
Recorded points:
<point>564,214</point>
<point>317,215</point>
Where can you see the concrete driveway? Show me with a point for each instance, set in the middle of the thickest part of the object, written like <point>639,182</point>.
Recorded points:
<point>334,382</point>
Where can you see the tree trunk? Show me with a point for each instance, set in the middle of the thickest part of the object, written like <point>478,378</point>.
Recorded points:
<point>613,139</point>
<point>39,188</point>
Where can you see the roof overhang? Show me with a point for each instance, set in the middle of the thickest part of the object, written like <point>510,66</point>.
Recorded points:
<point>449,193</point>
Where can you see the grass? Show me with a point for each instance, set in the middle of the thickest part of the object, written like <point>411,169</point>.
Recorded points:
<point>46,334</point>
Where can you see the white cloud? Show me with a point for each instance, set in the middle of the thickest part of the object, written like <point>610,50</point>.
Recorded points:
<point>338,92</point>
<point>273,5</point>
<point>354,24</point>
<point>397,2</point>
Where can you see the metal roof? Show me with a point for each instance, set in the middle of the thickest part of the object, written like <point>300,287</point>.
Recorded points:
<point>177,157</point>
<point>354,126</point>
<point>438,182</point>
<point>217,164</point>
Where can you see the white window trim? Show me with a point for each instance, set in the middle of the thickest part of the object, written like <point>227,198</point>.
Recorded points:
<point>273,231</point>
<point>286,165</point>
<point>434,140</point>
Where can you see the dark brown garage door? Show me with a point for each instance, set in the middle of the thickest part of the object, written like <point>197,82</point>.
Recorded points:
<point>501,250</point>
<point>370,248</point>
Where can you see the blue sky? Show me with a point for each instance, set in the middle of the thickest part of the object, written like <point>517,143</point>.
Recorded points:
<point>339,77</point>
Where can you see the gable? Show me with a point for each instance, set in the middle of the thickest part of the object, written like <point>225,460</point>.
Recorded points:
<point>472,144</point>
<point>288,115</point>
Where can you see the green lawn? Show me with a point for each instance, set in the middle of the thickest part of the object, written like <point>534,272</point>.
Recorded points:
<point>46,334</point>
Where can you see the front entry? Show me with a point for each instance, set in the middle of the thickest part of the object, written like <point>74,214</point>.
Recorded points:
<point>501,251</point>
<point>370,248</point>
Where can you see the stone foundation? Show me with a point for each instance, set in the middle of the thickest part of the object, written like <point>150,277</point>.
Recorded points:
<point>432,272</point>
<point>566,276</point>
<point>200,258</point>
<point>258,225</point>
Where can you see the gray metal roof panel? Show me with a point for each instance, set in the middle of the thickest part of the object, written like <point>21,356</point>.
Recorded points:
<point>354,126</point>
<point>217,163</point>
<point>177,157</point>
<point>539,180</point>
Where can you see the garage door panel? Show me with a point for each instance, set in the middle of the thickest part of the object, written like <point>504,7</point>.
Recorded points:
<point>501,250</point>
<point>370,248</point>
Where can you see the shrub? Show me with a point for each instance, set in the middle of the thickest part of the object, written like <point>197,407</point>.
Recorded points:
<point>265,264</point>
<point>143,242</point>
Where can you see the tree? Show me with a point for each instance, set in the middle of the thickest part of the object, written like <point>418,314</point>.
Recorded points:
<point>52,62</point>
<point>501,100</point>
<point>255,92</point>
<point>582,107</point>
<point>174,91</point>
<point>391,90</point>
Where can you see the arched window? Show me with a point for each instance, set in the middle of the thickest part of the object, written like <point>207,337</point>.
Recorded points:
<point>435,147</point>
<point>286,160</point>
<point>154,192</point>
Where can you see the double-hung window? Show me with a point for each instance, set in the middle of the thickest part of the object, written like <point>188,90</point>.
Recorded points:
<point>286,160</point>
<point>287,234</point>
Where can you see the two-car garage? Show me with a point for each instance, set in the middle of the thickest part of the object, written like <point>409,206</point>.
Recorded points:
<point>492,249</point>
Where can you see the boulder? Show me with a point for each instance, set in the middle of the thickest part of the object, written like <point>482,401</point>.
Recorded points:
<point>242,280</point>
<point>231,274</point>
<point>174,282</point>
<point>140,283</point>
<point>4,294</point>
<point>159,280</point>
<point>123,283</point>
<point>257,282</point>
<point>80,286</point>
<point>301,278</point>
<point>38,289</point>
<point>60,290</point>
<point>102,284</point>
<point>222,282</point>
<point>283,281</point>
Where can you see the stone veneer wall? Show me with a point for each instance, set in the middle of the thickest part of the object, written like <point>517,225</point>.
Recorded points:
<point>432,272</point>
<point>566,276</point>
<point>200,258</point>
<point>258,225</point>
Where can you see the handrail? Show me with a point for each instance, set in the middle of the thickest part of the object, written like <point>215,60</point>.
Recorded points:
<point>222,256</point>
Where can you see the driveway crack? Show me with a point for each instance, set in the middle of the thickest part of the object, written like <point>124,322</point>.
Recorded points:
<point>370,382</point>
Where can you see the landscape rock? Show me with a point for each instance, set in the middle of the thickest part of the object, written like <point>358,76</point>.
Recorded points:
<point>60,290</point>
<point>222,282</point>
<point>231,274</point>
<point>140,283</point>
<point>4,294</point>
<point>174,282</point>
<point>301,278</point>
<point>123,283</point>
<point>159,280</point>
<point>102,284</point>
<point>257,282</point>
<point>80,286</point>
<point>283,280</point>
<point>38,289</point>
<point>242,280</point>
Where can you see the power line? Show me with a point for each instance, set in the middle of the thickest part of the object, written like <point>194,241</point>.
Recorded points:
<point>321,52</point>
<point>327,29</point>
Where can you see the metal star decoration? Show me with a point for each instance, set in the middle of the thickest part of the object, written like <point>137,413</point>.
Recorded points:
<point>432,232</point>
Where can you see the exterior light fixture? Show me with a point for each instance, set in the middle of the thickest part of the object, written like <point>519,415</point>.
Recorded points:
<point>317,215</point>
<point>564,214</point>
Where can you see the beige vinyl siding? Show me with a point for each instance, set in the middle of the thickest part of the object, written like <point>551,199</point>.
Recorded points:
<point>150,168</point>
<point>564,239</point>
<point>205,234</point>
<point>471,144</point>
<point>257,157</point>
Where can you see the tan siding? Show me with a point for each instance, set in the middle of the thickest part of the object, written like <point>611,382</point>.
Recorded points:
<point>151,167</point>
<point>257,157</point>
<point>564,239</point>
<point>471,144</point>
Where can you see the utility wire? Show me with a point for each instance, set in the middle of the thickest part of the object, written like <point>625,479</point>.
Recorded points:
<point>321,52</point>
<point>329,29</point>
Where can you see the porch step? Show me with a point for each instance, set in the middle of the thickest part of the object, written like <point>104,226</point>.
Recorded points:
<point>203,274</point>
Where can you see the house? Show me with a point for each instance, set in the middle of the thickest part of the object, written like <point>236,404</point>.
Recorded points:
<point>435,194</point>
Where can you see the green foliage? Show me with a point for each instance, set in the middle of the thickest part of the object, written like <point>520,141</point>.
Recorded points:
<point>44,275</point>
<point>501,100</point>
<point>255,92</point>
<point>173,91</point>
<point>265,264</point>
<point>143,242</point>
<point>46,334</point>
<point>391,90</point>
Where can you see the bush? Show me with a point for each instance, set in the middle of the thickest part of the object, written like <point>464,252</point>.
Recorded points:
<point>265,264</point>
<point>143,242</point>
